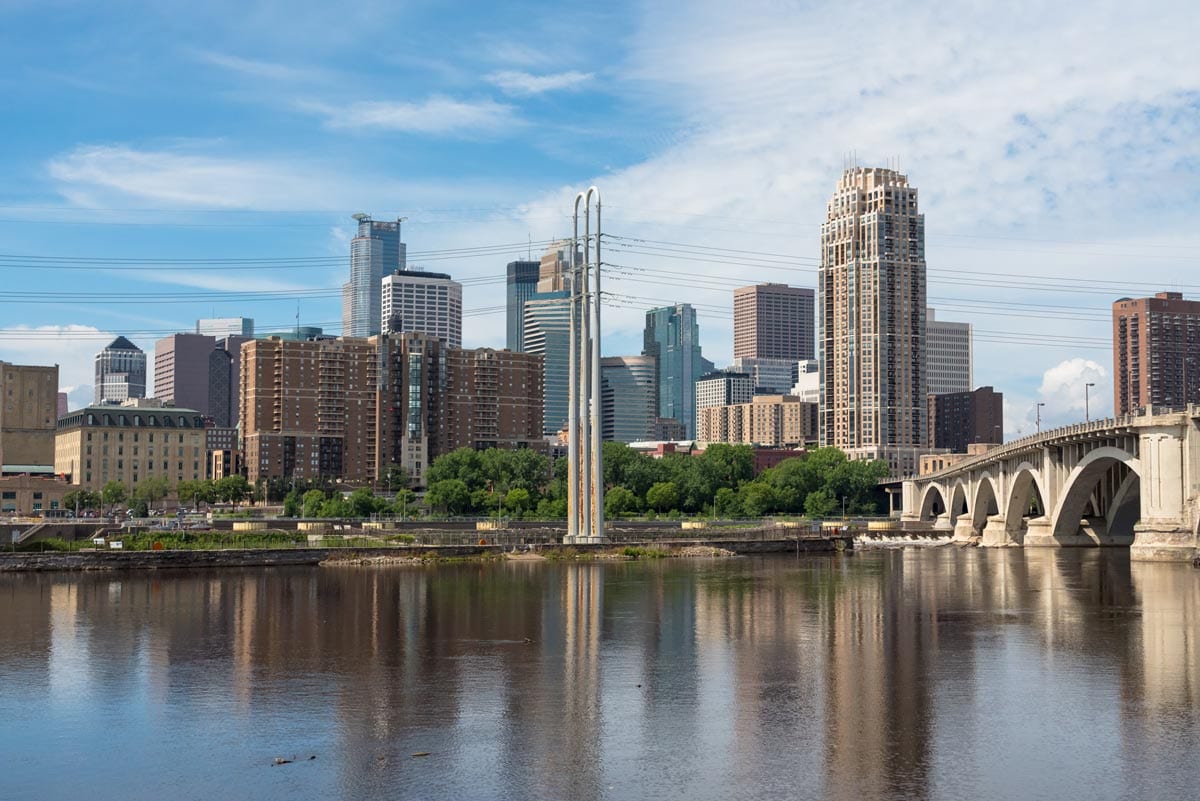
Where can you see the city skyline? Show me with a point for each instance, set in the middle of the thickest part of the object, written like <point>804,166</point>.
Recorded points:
<point>1075,172</point>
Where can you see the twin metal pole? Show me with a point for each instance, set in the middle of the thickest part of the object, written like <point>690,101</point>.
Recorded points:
<point>585,468</point>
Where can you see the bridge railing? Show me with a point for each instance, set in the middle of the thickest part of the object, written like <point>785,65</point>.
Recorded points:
<point>1062,432</point>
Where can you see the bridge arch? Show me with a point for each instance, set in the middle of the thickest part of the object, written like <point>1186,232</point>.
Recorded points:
<point>933,503</point>
<point>985,502</point>
<point>958,501</point>
<point>1026,498</point>
<point>1104,483</point>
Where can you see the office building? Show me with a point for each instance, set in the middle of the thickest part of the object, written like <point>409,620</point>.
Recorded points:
<point>130,442</point>
<point>224,372</point>
<point>780,421</point>
<point>769,376</point>
<point>63,404</point>
<point>120,372</point>
<point>808,381</point>
<point>947,356</point>
<point>723,388</point>
<point>672,337</point>
<point>181,370</point>
<point>547,334</point>
<point>226,327</point>
<point>410,384</point>
<point>491,399</point>
<point>521,285</point>
<point>871,320</point>
<point>960,419</point>
<point>628,403</point>
<point>375,251</point>
<point>1156,352</point>
<point>422,302</point>
<point>773,321</point>
<point>554,268</point>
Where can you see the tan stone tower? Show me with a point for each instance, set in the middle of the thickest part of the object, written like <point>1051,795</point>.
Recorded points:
<point>871,319</point>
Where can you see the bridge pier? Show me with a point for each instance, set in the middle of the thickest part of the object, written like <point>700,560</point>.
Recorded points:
<point>1040,533</point>
<point>996,534</point>
<point>1163,542</point>
<point>964,531</point>
<point>943,522</point>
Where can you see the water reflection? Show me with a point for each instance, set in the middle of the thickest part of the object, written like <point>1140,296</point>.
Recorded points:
<point>914,674</point>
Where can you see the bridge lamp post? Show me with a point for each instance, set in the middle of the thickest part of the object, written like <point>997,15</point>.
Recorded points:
<point>1038,410</point>
<point>1087,416</point>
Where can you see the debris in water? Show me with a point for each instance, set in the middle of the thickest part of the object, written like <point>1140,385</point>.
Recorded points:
<point>282,761</point>
<point>421,753</point>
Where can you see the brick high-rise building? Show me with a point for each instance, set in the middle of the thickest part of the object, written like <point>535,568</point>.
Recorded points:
<point>1156,352</point>
<point>773,321</point>
<point>347,409</point>
<point>959,419</point>
<point>492,399</point>
<point>308,409</point>
<point>871,337</point>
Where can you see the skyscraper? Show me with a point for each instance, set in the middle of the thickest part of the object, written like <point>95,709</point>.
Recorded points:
<point>773,321</point>
<point>947,356</point>
<point>1156,352</point>
<point>723,388</point>
<point>181,370</point>
<point>374,252</point>
<point>547,332</point>
<point>428,303</point>
<point>522,284</point>
<point>492,399</point>
<point>960,419</point>
<point>672,337</point>
<point>871,338</point>
<point>628,404</point>
<point>120,372</point>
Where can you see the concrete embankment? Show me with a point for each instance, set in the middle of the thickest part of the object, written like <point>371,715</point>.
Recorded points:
<point>283,557</point>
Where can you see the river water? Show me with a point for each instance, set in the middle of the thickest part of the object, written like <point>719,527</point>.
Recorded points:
<point>918,674</point>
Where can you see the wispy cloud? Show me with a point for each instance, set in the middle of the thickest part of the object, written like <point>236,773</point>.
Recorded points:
<point>255,68</point>
<point>436,115</point>
<point>524,83</point>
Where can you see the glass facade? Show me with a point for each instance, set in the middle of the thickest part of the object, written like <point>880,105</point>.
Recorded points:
<point>120,372</point>
<point>375,252</point>
<point>547,332</point>
<point>521,286</point>
<point>672,337</point>
<point>628,401</point>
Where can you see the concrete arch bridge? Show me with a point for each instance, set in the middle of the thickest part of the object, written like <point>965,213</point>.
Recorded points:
<point>1131,481</point>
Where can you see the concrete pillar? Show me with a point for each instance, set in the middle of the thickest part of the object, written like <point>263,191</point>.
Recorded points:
<point>963,530</point>
<point>997,535</point>
<point>1040,534</point>
<point>1164,533</point>
<point>943,522</point>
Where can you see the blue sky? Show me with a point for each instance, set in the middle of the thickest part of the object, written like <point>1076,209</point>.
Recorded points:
<point>1057,153</point>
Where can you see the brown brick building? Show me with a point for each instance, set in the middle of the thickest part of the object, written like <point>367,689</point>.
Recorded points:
<point>349,408</point>
<point>1156,352</point>
<point>960,419</point>
<point>492,399</point>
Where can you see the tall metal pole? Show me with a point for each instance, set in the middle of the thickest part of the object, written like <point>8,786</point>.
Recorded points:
<point>585,375</point>
<point>597,467</point>
<point>573,516</point>
<point>1087,415</point>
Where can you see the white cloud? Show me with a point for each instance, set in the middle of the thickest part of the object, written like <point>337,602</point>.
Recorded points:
<point>436,115</point>
<point>256,69</point>
<point>72,347</point>
<point>90,173</point>
<point>523,83</point>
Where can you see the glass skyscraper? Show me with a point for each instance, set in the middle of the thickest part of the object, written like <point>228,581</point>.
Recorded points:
<point>375,252</point>
<point>120,372</point>
<point>672,337</point>
<point>547,333</point>
<point>522,284</point>
<point>628,401</point>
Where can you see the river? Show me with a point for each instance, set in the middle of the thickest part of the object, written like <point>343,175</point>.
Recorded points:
<point>935,673</point>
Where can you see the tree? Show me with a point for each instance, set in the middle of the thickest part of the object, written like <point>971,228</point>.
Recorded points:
<point>758,498</point>
<point>232,489</point>
<point>731,464</point>
<point>404,500</point>
<point>726,503</point>
<point>663,496</point>
<point>449,495</point>
<point>335,507</point>
<point>312,502</point>
<point>81,499</point>
<point>363,503</point>
<point>151,490</point>
<point>396,478</point>
<point>291,504</point>
<point>619,501</point>
<point>517,500</point>
<point>820,503</point>
<point>112,493</point>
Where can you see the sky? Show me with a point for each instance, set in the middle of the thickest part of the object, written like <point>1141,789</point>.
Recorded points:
<point>162,162</point>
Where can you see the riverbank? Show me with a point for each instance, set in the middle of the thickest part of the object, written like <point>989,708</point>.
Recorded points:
<point>284,557</point>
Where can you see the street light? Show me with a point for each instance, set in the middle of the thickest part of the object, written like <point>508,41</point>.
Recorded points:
<point>1087,415</point>
<point>1038,409</point>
